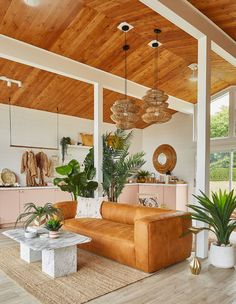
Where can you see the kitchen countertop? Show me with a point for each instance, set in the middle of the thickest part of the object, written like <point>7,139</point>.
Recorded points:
<point>28,188</point>
<point>156,184</point>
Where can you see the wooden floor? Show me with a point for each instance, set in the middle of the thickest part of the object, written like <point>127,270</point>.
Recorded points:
<point>170,286</point>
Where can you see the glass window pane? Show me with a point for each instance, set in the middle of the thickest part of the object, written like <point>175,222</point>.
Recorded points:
<point>220,117</point>
<point>234,173</point>
<point>219,171</point>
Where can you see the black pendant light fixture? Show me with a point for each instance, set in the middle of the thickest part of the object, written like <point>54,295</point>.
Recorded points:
<point>155,100</point>
<point>125,111</point>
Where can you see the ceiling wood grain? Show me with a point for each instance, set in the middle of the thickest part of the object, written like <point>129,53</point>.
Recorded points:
<point>86,31</point>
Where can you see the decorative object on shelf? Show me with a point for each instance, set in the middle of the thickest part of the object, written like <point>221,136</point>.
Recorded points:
<point>217,212</point>
<point>125,111</point>
<point>65,141</point>
<point>87,139</point>
<point>195,264</point>
<point>118,165</point>
<point>148,200</point>
<point>155,100</point>
<point>37,214</point>
<point>8,178</point>
<point>142,176</point>
<point>75,181</point>
<point>53,226</point>
<point>164,159</point>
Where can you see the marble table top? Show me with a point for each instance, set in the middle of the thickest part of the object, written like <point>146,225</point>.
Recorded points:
<point>65,239</point>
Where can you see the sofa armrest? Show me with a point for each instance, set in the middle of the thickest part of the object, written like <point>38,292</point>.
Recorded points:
<point>159,240</point>
<point>68,209</point>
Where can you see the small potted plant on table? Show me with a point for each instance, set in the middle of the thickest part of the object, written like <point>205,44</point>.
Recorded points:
<point>53,226</point>
<point>217,213</point>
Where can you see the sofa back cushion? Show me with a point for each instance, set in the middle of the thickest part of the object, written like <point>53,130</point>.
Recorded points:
<point>128,214</point>
<point>116,212</point>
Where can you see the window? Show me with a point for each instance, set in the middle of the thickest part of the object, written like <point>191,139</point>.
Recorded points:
<point>220,116</point>
<point>220,166</point>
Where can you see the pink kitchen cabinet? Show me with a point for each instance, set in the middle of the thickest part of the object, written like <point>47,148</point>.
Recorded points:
<point>9,206</point>
<point>61,196</point>
<point>129,195</point>
<point>172,196</point>
<point>37,196</point>
<point>12,201</point>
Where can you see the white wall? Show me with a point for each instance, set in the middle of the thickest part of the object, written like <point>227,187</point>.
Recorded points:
<point>178,133</point>
<point>38,128</point>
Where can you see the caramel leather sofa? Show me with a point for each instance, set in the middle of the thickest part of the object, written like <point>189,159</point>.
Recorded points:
<point>144,238</point>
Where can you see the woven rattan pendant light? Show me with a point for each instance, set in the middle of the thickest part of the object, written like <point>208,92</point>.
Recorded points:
<point>125,111</point>
<point>155,100</point>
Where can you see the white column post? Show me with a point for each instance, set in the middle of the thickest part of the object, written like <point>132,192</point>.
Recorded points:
<point>98,120</point>
<point>203,133</point>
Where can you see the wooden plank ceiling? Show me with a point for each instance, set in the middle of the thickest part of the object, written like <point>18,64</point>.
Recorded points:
<point>221,12</point>
<point>86,31</point>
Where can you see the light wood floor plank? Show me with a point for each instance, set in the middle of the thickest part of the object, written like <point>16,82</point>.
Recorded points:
<point>174,285</point>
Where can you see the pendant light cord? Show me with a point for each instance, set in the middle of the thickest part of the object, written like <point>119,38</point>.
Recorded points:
<point>125,50</point>
<point>10,121</point>
<point>155,66</point>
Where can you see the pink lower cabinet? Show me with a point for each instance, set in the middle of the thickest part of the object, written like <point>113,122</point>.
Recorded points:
<point>129,195</point>
<point>61,196</point>
<point>37,196</point>
<point>12,201</point>
<point>9,206</point>
<point>173,196</point>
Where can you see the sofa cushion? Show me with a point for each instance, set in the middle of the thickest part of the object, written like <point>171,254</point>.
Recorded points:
<point>100,227</point>
<point>89,207</point>
<point>120,213</point>
<point>110,239</point>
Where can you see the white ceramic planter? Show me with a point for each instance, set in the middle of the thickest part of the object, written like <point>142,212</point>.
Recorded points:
<point>222,257</point>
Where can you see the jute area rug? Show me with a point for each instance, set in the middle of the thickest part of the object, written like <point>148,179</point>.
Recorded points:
<point>96,276</point>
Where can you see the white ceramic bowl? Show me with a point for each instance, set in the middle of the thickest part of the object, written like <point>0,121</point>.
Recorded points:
<point>30,235</point>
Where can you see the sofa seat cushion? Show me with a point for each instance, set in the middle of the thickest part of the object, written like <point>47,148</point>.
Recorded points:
<point>110,239</point>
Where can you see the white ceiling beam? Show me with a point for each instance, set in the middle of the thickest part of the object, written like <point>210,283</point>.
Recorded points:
<point>184,15</point>
<point>28,54</point>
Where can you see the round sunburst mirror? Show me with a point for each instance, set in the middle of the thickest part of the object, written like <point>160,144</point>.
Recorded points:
<point>164,159</point>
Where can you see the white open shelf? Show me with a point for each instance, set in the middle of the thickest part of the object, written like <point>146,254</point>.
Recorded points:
<point>79,147</point>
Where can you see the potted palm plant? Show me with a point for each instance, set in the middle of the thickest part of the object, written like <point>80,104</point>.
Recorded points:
<point>53,225</point>
<point>37,214</point>
<point>217,214</point>
<point>142,176</point>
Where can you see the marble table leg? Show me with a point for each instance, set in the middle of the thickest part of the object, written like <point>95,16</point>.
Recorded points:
<point>59,262</point>
<point>29,255</point>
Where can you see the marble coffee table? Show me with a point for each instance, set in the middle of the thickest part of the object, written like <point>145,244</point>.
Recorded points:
<point>59,256</point>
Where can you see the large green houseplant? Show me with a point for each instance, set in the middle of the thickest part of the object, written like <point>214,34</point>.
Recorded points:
<point>118,165</point>
<point>76,181</point>
<point>216,212</point>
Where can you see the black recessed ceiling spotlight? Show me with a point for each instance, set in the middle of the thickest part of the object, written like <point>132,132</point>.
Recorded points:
<point>32,3</point>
